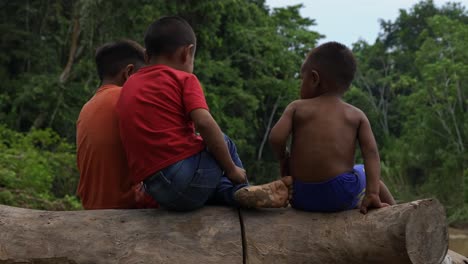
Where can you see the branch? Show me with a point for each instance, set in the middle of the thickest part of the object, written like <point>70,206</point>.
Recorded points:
<point>73,48</point>
<point>267,130</point>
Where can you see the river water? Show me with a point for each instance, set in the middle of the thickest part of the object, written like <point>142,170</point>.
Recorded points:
<point>459,241</point>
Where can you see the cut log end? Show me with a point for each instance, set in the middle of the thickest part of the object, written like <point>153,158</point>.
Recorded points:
<point>406,233</point>
<point>427,240</point>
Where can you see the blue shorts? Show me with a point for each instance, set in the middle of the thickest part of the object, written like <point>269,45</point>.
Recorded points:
<point>340,193</point>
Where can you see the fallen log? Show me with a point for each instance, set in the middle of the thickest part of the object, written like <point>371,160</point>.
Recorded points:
<point>209,235</point>
<point>414,232</point>
<point>408,233</point>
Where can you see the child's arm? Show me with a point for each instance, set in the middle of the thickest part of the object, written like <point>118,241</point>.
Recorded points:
<point>371,157</point>
<point>214,139</point>
<point>279,135</point>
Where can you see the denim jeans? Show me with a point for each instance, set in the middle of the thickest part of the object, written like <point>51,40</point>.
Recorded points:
<point>193,182</point>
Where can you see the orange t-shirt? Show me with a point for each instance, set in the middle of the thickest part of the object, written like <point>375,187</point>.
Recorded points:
<point>104,175</point>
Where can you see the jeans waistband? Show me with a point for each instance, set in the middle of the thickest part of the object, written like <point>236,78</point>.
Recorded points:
<point>154,176</point>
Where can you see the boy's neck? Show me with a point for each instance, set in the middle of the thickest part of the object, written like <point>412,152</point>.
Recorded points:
<point>166,61</point>
<point>330,91</point>
<point>337,94</point>
<point>106,81</point>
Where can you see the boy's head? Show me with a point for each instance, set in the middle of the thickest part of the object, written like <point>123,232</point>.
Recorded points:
<point>329,67</point>
<point>171,40</point>
<point>116,61</point>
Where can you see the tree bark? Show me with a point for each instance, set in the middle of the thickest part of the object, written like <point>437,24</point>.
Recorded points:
<point>209,235</point>
<point>414,232</point>
<point>268,127</point>
<point>73,48</point>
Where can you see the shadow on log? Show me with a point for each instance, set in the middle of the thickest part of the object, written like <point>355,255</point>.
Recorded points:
<point>414,232</point>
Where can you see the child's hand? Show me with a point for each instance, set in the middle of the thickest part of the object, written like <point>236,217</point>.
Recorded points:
<point>237,175</point>
<point>371,201</point>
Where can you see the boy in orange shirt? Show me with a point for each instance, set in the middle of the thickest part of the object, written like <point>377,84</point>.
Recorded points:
<point>325,131</point>
<point>104,176</point>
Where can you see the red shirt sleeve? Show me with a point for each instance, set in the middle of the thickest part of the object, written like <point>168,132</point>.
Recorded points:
<point>192,95</point>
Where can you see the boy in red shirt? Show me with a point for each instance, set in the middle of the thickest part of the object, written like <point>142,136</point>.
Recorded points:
<point>104,180</point>
<point>159,109</point>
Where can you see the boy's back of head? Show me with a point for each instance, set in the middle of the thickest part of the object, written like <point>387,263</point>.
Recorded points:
<point>113,57</point>
<point>334,62</point>
<point>166,34</point>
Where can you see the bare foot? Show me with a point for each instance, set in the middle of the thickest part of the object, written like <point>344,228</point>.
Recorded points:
<point>271,195</point>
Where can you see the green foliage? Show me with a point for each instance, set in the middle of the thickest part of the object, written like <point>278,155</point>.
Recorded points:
<point>411,83</point>
<point>248,58</point>
<point>37,170</point>
<point>415,75</point>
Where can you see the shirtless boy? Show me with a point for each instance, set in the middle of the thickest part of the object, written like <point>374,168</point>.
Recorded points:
<point>325,131</point>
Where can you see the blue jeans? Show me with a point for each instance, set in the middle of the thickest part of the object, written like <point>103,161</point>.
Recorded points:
<point>195,181</point>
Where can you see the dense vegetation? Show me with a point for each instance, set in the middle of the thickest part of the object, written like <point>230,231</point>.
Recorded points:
<point>411,83</point>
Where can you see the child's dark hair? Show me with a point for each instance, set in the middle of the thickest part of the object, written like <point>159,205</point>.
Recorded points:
<point>334,62</point>
<point>167,34</point>
<point>112,57</point>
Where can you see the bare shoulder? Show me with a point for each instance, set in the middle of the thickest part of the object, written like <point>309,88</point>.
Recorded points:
<point>304,107</point>
<point>306,103</point>
<point>355,112</point>
<point>293,106</point>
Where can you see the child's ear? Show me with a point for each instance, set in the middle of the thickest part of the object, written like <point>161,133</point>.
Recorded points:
<point>192,49</point>
<point>315,77</point>
<point>128,71</point>
<point>187,53</point>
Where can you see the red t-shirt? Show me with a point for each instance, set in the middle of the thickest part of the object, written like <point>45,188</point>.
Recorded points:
<point>154,117</point>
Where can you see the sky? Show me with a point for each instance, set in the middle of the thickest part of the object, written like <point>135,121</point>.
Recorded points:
<point>347,21</point>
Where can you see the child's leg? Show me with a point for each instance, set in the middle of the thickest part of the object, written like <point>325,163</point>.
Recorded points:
<point>225,190</point>
<point>185,185</point>
<point>233,151</point>
<point>275,194</point>
<point>385,195</point>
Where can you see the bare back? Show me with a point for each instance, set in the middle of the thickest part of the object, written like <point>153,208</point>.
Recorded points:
<point>324,136</point>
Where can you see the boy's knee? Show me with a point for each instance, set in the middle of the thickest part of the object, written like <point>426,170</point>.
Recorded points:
<point>228,140</point>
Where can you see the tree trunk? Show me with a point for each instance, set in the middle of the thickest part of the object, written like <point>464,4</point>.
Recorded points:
<point>268,127</point>
<point>414,232</point>
<point>73,48</point>
<point>209,235</point>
